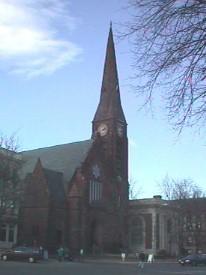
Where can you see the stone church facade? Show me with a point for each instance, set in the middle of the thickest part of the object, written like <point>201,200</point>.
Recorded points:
<point>76,194</point>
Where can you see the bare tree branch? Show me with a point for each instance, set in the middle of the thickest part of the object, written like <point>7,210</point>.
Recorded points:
<point>10,187</point>
<point>169,46</point>
<point>134,190</point>
<point>177,189</point>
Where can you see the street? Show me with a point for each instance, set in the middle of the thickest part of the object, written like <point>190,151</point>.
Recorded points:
<point>52,267</point>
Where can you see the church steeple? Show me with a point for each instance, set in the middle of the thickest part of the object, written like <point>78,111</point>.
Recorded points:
<point>110,138</point>
<point>110,103</point>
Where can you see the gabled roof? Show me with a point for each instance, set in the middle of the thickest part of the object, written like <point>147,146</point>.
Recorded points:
<point>64,158</point>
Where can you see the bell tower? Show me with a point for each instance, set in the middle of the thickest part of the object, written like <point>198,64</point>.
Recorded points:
<point>109,132</point>
<point>109,123</point>
<point>109,128</point>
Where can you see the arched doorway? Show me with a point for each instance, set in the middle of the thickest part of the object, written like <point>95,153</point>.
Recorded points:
<point>95,237</point>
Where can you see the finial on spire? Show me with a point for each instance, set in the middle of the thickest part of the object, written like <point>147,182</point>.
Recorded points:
<point>111,24</point>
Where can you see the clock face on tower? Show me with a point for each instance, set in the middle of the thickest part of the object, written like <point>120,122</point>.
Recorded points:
<point>103,129</point>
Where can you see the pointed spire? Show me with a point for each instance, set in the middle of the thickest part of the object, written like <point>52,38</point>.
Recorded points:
<point>110,103</point>
<point>38,166</point>
<point>38,163</point>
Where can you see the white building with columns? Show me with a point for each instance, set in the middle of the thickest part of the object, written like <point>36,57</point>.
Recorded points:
<point>153,227</point>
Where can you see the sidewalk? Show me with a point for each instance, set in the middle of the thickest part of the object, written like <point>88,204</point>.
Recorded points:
<point>117,259</point>
<point>112,258</point>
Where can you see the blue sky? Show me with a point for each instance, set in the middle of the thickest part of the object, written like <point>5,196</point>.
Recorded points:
<point>51,62</point>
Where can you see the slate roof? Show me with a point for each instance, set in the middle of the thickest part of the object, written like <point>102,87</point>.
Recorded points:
<point>64,158</point>
<point>110,102</point>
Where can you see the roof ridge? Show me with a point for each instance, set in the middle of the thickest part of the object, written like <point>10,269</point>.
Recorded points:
<point>52,146</point>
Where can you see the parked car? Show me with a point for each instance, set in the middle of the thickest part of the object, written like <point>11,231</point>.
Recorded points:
<point>193,259</point>
<point>22,253</point>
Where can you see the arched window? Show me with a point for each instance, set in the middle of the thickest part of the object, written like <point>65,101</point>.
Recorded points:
<point>95,191</point>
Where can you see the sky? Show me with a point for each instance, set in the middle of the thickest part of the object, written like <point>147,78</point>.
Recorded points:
<point>51,63</point>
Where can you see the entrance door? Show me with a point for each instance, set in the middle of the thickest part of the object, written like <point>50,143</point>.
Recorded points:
<point>95,237</point>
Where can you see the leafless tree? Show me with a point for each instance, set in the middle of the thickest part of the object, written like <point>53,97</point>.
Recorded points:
<point>188,201</point>
<point>10,165</point>
<point>177,189</point>
<point>169,46</point>
<point>134,190</point>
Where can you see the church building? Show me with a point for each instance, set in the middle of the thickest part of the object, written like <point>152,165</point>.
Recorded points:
<point>76,194</point>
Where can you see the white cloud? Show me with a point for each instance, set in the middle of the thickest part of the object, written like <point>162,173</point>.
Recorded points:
<point>30,32</point>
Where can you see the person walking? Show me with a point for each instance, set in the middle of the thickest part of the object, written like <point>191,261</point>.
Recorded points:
<point>123,256</point>
<point>81,254</point>
<point>60,253</point>
<point>150,258</point>
<point>141,260</point>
